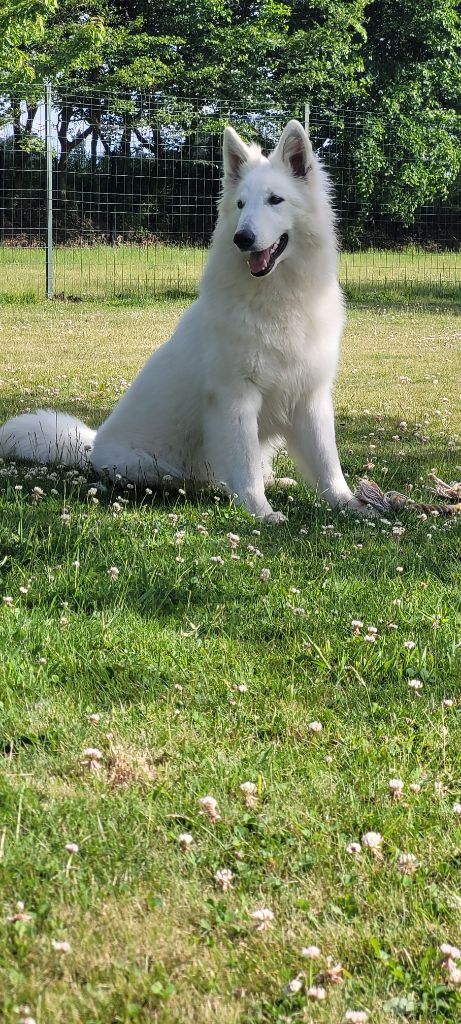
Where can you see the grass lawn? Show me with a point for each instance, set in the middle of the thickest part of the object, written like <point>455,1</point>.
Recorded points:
<point>136,272</point>
<point>191,671</point>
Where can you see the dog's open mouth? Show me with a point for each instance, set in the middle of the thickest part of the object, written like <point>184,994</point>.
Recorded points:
<point>262,262</point>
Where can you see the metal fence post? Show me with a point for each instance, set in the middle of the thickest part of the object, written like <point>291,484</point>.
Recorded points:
<point>49,193</point>
<point>307,111</point>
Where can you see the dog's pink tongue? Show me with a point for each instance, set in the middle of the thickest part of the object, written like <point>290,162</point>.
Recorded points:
<point>258,260</point>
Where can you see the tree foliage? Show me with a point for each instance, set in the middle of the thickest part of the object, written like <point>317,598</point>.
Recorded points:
<point>369,63</point>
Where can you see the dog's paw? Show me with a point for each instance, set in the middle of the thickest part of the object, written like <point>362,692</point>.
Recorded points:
<point>284,482</point>
<point>273,518</point>
<point>360,508</point>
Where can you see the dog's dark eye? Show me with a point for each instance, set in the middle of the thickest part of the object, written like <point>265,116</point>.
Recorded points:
<point>240,204</point>
<point>275,200</point>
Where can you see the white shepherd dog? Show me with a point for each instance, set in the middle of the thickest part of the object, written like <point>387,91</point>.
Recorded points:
<point>251,363</point>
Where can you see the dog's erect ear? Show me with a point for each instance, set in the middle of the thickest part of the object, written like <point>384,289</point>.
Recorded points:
<point>295,150</point>
<point>235,154</point>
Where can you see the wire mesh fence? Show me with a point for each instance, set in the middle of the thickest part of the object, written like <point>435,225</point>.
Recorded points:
<point>135,180</point>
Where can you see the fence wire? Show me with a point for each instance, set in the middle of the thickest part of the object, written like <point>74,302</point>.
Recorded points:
<point>135,183</point>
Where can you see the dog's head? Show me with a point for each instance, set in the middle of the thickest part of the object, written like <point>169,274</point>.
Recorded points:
<point>265,196</point>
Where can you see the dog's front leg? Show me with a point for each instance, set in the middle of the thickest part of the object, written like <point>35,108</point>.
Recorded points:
<point>312,444</point>
<point>233,451</point>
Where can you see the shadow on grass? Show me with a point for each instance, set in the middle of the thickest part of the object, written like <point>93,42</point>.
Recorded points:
<point>423,451</point>
<point>154,584</point>
<point>425,296</point>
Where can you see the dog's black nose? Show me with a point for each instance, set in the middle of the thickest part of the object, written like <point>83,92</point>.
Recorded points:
<point>244,240</point>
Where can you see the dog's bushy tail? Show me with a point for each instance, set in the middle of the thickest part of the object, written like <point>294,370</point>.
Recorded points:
<point>47,437</point>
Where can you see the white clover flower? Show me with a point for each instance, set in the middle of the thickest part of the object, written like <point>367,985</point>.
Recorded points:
<point>415,684</point>
<point>250,792</point>
<point>113,572</point>
<point>370,637</point>
<point>217,560</point>
<point>210,807</point>
<point>407,863</point>
<point>315,726</point>
<point>294,986</point>
<point>242,688</point>
<point>299,611</point>
<point>21,914</point>
<point>353,848</point>
<point>263,917</point>
<point>92,758</point>
<point>61,946</point>
<point>454,974</point>
<point>95,718</point>
<point>265,575</point>
<point>409,644</point>
<point>37,492</point>
<point>397,602</point>
<point>415,787</point>
<point>316,992</point>
<point>8,601</point>
<point>185,840</point>
<point>396,788</point>
<point>310,952</point>
<point>372,629</point>
<point>76,564</point>
<point>224,878</point>
<point>249,788</point>
<point>72,847</point>
<point>356,624</point>
<point>448,703</point>
<point>234,539</point>
<point>448,950</point>
<point>372,840</point>
<point>356,1016</point>
<point>457,808</point>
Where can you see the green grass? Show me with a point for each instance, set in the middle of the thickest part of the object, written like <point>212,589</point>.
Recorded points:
<point>160,653</point>
<point>102,272</point>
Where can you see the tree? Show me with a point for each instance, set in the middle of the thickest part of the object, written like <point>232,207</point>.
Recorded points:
<point>410,150</point>
<point>383,78</point>
<point>22,23</point>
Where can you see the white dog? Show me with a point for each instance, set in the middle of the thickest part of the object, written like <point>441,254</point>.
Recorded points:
<point>252,361</point>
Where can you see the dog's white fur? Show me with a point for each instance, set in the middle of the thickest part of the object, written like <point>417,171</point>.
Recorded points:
<point>251,362</point>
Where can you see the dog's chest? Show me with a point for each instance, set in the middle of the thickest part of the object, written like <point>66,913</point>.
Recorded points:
<point>276,356</point>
